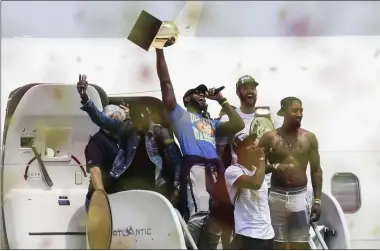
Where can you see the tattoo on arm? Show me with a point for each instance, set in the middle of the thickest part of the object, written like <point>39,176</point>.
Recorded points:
<point>168,96</point>
<point>234,125</point>
<point>315,167</point>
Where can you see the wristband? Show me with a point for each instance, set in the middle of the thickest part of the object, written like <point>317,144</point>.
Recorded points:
<point>168,141</point>
<point>317,201</point>
<point>222,101</point>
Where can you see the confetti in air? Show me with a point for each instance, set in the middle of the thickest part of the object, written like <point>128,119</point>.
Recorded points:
<point>145,73</point>
<point>57,93</point>
<point>273,69</point>
<point>300,27</point>
<point>61,94</point>
<point>282,15</point>
<point>46,243</point>
<point>294,26</point>
<point>189,17</point>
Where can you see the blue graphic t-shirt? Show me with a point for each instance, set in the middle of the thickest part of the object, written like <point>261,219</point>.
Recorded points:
<point>195,134</point>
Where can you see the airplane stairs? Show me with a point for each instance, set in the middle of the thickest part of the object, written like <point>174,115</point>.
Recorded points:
<point>318,233</point>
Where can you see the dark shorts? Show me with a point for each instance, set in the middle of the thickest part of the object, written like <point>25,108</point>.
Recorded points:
<point>242,242</point>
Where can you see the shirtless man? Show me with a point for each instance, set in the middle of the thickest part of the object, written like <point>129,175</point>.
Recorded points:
<point>289,149</point>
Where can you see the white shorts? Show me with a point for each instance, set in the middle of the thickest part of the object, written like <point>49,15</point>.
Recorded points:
<point>290,213</point>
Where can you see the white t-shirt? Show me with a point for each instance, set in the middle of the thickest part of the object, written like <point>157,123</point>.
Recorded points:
<point>252,215</point>
<point>247,118</point>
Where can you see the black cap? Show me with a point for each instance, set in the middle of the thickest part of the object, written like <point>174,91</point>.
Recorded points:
<point>286,102</point>
<point>242,139</point>
<point>246,79</point>
<point>200,88</point>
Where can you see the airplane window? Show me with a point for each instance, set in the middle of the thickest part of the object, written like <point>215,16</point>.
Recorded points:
<point>345,188</point>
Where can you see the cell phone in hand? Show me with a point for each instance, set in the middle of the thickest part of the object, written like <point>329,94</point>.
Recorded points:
<point>82,78</point>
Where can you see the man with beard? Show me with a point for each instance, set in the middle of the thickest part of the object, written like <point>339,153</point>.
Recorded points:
<point>289,149</point>
<point>195,132</point>
<point>247,93</point>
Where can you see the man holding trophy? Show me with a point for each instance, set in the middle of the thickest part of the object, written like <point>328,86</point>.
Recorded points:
<point>194,130</point>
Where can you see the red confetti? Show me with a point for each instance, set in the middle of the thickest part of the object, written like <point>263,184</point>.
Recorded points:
<point>300,27</point>
<point>145,73</point>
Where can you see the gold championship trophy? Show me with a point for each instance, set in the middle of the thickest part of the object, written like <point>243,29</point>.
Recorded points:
<point>149,31</point>
<point>262,122</point>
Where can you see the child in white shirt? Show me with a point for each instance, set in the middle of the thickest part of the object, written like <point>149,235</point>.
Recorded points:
<point>249,193</point>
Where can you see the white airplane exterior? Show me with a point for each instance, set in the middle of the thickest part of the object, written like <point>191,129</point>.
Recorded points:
<point>336,77</point>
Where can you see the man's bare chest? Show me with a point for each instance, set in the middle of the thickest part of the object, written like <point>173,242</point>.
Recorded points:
<point>283,148</point>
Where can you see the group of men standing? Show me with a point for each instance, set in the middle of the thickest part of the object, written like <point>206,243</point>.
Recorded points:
<point>258,195</point>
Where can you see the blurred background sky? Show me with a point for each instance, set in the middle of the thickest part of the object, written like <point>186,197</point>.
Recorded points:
<point>101,19</point>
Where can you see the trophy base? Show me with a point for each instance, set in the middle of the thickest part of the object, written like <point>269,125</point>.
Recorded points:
<point>145,30</point>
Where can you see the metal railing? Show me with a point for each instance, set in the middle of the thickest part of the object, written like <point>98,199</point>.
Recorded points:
<point>186,232</point>
<point>319,237</point>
